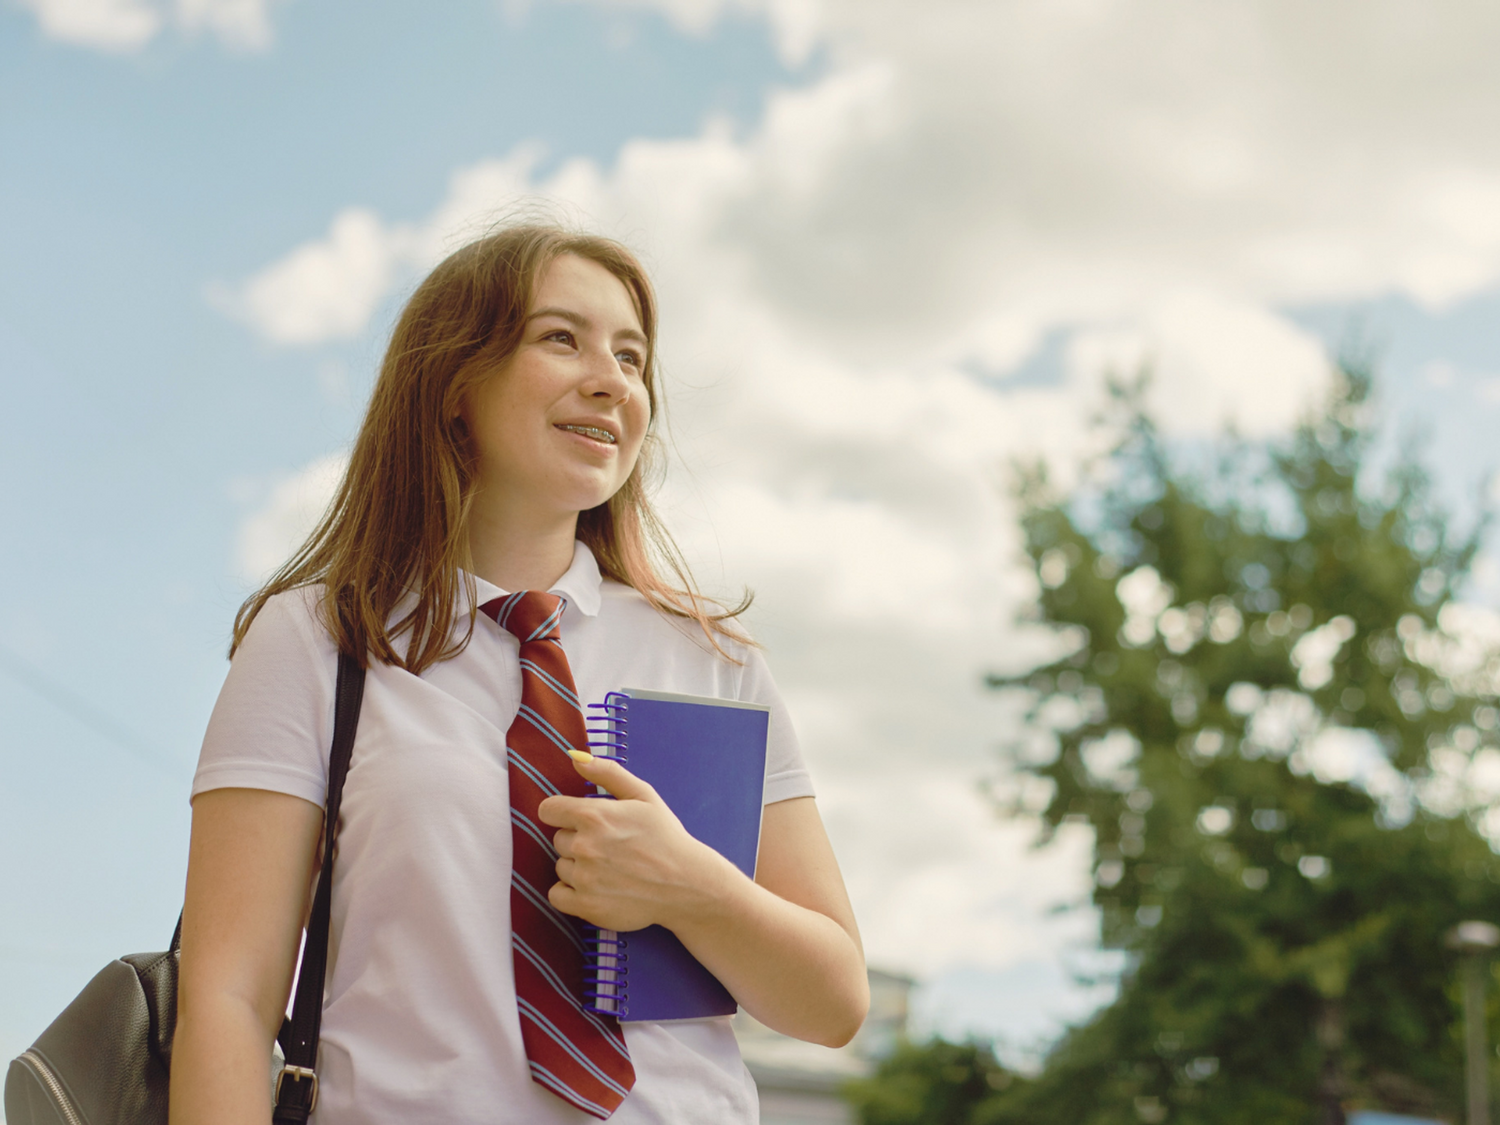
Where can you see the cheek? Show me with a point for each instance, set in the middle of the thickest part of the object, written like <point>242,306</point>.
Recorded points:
<point>489,415</point>
<point>640,422</point>
<point>493,442</point>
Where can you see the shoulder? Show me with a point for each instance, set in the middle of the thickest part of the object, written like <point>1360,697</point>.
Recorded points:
<point>626,608</point>
<point>272,723</point>
<point>289,627</point>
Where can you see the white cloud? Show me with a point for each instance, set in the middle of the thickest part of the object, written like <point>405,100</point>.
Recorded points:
<point>888,557</point>
<point>848,285</point>
<point>796,24</point>
<point>238,23</point>
<point>1351,756</point>
<point>105,25</point>
<point>1111,760</point>
<point>288,513</point>
<point>324,289</point>
<point>939,885</point>
<point>1212,359</point>
<point>330,287</point>
<point>128,25</point>
<point>1315,651</point>
<point>1287,152</point>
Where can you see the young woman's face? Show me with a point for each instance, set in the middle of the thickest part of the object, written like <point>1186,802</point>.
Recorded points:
<point>558,427</point>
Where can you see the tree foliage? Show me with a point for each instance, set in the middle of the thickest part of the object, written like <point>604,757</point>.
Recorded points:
<point>935,1083</point>
<point>1278,728</point>
<point>1270,723</point>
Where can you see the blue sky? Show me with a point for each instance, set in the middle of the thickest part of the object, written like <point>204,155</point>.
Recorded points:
<point>850,218</point>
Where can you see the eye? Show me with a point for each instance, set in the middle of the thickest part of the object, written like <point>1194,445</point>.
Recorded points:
<point>629,358</point>
<point>560,336</point>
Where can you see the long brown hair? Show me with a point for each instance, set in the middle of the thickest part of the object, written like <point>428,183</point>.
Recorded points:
<point>396,525</point>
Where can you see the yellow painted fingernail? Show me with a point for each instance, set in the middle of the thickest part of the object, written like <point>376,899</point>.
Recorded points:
<point>582,757</point>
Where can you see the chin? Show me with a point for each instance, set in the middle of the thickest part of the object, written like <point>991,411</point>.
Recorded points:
<point>576,489</point>
<point>585,502</point>
<point>593,493</point>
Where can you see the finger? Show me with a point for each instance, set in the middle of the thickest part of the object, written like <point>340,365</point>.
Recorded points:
<point>562,812</point>
<point>564,897</point>
<point>564,868</point>
<point>612,777</point>
<point>562,842</point>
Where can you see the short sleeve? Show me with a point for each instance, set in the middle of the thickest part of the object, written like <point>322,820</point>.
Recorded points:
<point>786,772</point>
<point>273,721</point>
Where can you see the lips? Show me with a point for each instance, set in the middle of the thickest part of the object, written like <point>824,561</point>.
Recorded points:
<point>595,432</point>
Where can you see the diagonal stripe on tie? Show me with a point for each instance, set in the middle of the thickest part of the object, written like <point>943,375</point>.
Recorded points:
<point>533,775</point>
<point>517,820</point>
<point>579,1056</point>
<point>544,727</point>
<point>556,685</point>
<point>565,930</point>
<point>559,985</point>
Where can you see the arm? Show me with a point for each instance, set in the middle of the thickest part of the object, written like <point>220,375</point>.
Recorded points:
<point>250,865</point>
<point>786,945</point>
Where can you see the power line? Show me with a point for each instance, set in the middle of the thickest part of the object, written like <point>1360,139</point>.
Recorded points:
<point>75,706</point>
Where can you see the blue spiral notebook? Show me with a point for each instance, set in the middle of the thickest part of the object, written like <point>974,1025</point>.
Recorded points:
<point>707,759</point>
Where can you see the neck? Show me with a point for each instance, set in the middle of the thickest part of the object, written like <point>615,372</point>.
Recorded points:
<point>518,553</point>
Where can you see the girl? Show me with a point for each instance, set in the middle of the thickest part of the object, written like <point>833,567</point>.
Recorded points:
<point>505,451</point>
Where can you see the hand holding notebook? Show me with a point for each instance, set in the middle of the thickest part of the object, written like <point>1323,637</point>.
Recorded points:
<point>705,760</point>
<point>629,863</point>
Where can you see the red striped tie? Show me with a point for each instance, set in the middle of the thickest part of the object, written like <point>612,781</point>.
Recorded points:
<point>578,1055</point>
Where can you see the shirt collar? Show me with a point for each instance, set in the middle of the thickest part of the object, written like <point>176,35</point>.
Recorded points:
<point>580,584</point>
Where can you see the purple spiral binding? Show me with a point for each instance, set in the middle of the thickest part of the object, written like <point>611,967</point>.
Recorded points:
<point>605,988</point>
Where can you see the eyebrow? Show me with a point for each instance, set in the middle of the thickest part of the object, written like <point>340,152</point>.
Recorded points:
<point>583,322</point>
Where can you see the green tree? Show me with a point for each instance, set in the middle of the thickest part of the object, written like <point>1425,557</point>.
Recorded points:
<point>1266,717</point>
<point>934,1083</point>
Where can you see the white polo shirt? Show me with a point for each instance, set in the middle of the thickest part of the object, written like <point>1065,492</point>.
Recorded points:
<point>420,1022</point>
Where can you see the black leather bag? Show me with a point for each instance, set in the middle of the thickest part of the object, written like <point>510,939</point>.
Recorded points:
<point>106,1059</point>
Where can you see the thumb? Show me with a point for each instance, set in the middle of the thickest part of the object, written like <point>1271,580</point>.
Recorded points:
<point>612,777</point>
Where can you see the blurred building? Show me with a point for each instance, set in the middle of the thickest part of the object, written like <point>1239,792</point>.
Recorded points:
<point>799,1082</point>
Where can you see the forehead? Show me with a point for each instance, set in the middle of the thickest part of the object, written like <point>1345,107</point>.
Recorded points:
<point>581,285</point>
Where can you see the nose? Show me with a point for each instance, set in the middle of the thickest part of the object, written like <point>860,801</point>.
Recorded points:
<point>603,379</point>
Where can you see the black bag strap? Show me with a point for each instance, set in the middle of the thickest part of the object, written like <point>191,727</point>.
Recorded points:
<point>297,1085</point>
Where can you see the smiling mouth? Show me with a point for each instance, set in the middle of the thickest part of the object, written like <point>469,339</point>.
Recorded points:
<point>591,432</point>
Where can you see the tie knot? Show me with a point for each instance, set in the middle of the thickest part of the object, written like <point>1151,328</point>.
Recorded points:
<point>531,615</point>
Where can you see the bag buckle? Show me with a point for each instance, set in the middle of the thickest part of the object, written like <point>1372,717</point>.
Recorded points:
<point>299,1075</point>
